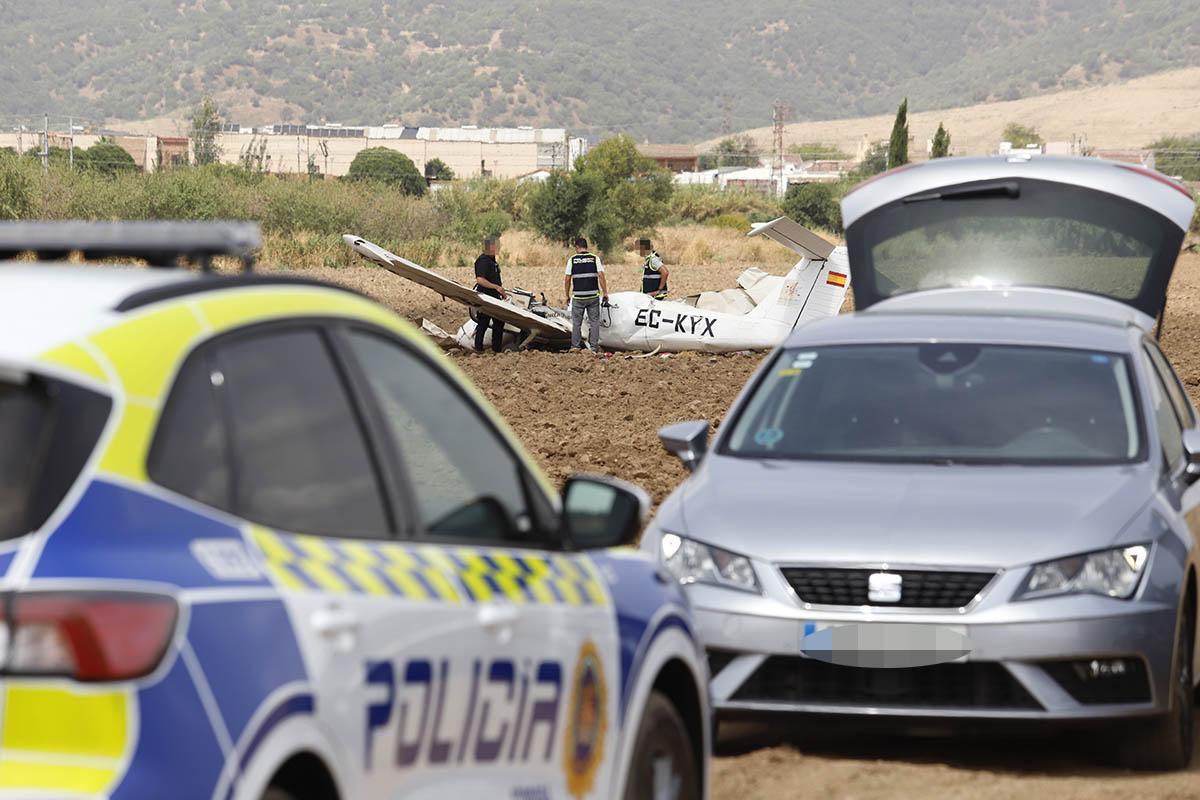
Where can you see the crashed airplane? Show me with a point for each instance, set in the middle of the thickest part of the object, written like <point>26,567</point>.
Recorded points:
<point>757,315</point>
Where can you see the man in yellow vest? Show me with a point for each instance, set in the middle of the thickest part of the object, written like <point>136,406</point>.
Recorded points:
<point>654,272</point>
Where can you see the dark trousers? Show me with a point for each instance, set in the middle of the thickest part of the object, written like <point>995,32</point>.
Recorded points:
<point>481,325</point>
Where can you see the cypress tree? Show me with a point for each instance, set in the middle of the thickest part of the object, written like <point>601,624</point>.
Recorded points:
<point>898,147</point>
<point>941,143</point>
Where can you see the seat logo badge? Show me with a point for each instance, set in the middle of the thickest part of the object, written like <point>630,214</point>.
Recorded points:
<point>884,587</point>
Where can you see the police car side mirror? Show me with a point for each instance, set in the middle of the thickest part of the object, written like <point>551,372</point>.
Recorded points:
<point>687,441</point>
<point>602,512</point>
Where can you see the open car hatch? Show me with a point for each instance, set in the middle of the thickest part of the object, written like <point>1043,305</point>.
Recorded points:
<point>1080,224</point>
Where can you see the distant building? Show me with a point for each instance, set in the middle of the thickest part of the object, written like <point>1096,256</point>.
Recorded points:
<point>537,176</point>
<point>470,151</point>
<point>707,177</point>
<point>173,151</point>
<point>674,157</point>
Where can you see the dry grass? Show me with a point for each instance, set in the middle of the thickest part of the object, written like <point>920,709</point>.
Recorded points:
<point>1130,114</point>
<point>680,246</point>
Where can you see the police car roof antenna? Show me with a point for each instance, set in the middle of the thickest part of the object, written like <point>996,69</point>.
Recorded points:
<point>160,244</point>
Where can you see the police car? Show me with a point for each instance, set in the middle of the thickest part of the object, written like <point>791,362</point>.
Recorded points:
<point>259,540</point>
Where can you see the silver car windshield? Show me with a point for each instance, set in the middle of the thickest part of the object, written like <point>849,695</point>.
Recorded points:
<point>942,403</point>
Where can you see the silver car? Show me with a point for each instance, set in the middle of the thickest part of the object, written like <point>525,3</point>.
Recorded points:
<point>973,498</point>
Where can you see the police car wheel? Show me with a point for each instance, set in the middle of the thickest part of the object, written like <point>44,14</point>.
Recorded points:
<point>664,763</point>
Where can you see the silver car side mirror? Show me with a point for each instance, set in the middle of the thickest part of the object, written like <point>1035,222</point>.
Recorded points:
<point>1191,451</point>
<point>687,441</point>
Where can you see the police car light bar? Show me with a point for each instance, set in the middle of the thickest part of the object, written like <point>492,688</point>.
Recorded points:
<point>161,244</point>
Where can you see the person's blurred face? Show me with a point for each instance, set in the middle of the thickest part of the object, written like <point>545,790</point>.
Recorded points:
<point>489,248</point>
<point>643,250</point>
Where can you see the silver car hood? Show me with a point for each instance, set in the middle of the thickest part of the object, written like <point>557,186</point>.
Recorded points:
<point>962,516</point>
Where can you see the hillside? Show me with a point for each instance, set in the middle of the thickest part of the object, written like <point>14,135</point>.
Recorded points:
<point>1120,115</point>
<point>659,69</point>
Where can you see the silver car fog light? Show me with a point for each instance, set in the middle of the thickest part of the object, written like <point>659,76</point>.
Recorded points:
<point>692,562</point>
<point>1111,573</point>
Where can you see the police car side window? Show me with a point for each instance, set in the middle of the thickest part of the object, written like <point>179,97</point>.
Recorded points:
<point>301,462</point>
<point>189,454</point>
<point>467,483</point>
<point>1169,429</point>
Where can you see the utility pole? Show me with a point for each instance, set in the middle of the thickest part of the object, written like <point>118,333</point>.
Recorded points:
<point>780,111</point>
<point>726,118</point>
<point>71,142</point>
<point>46,143</point>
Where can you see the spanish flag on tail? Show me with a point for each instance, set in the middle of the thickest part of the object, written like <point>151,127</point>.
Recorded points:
<point>836,278</point>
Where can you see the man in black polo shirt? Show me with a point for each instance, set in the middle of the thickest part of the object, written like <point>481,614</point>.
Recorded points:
<point>487,281</point>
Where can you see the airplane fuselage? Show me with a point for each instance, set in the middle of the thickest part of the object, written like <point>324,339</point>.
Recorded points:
<point>636,321</point>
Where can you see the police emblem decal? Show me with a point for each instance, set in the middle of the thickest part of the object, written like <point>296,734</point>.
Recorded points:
<point>587,722</point>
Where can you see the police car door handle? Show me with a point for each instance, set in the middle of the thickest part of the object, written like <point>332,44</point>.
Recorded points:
<point>334,621</point>
<point>493,616</point>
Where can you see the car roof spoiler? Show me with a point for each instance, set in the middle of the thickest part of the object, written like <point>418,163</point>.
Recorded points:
<point>794,236</point>
<point>161,244</point>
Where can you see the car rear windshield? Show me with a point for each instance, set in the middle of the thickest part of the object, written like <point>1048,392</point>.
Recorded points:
<point>1030,233</point>
<point>942,403</point>
<point>47,431</point>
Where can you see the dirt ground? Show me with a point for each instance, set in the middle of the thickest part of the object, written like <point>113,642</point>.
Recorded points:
<point>582,413</point>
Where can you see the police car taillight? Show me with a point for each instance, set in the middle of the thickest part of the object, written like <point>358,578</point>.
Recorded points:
<point>88,636</point>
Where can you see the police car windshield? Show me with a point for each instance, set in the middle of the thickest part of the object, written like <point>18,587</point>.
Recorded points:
<point>943,403</point>
<point>23,418</point>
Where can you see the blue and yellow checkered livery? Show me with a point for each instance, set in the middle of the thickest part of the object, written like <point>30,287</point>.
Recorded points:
<point>427,573</point>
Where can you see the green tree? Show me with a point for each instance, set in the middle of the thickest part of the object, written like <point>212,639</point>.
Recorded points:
<point>1178,156</point>
<point>17,190</point>
<point>941,143</point>
<point>874,162</point>
<point>105,158</point>
<point>818,151</point>
<point>733,151</point>
<point>898,145</point>
<point>626,191</point>
<point>54,155</point>
<point>558,207</point>
<point>205,125</point>
<point>1021,135</point>
<point>389,167</point>
<point>814,205</point>
<point>438,170</point>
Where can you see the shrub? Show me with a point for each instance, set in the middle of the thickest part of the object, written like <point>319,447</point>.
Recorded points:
<point>438,170</point>
<point>16,189</point>
<point>731,221</point>
<point>1178,156</point>
<point>815,205</point>
<point>388,167</point>
<point>105,158</point>
<point>702,203</point>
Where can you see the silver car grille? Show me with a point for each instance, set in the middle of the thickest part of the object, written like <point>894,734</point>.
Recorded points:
<point>918,588</point>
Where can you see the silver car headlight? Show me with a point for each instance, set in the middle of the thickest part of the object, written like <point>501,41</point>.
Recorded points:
<point>1111,573</point>
<point>693,562</point>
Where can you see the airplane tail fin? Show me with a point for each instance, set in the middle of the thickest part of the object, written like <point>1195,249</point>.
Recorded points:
<point>816,287</point>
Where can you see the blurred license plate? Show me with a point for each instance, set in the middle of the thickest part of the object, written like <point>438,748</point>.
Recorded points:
<point>884,644</point>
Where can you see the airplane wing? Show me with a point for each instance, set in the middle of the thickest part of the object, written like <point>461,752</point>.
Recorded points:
<point>549,329</point>
<point>794,236</point>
